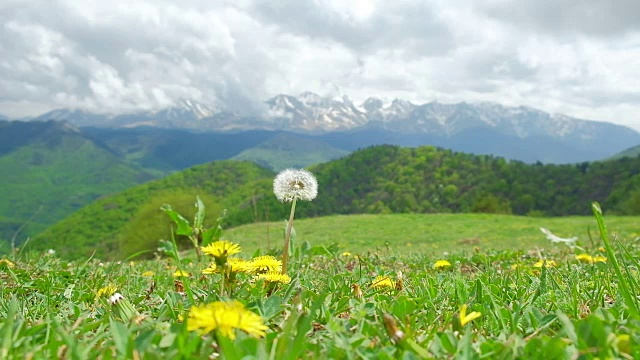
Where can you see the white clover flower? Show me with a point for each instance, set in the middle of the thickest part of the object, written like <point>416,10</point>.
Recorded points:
<point>292,184</point>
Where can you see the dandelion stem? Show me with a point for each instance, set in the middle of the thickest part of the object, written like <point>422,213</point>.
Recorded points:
<point>223,279</point>
<point>287,237</point>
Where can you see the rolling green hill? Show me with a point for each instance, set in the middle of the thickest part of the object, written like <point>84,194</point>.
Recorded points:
<point>288,150</point>
<point>132,220</point>
<point>382,179</point>
<point>52,170</point>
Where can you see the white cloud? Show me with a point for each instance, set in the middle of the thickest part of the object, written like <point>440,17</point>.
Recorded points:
<point>113,56</point>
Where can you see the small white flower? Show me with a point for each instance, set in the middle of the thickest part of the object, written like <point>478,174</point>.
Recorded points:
<point>292,184</point>
<point>51,252</point>
<point>115,298</point>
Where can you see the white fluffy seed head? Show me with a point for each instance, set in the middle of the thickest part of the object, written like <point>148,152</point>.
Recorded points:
<point>292,184</point>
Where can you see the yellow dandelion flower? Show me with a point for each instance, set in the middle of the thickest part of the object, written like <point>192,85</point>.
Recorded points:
<point>225,317</point>
<point>181,273</point>
<point>107,291</point>
<point>382,282</point>
<point>220,250</point>
<point>234,266</point>
<point>274,277</point>
<point>7,263</point>
<point>346,254</point>
<point>263,264</point>
<point>585,258</point>
<point>212,269</point>
<point>238,265</point>
<point>599,258</point>
<point>148,274</point>
<point>467,318</point>
<point>545,263</point>
<point>441,265</point>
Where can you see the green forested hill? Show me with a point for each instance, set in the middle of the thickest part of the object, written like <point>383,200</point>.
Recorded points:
<point>382,179</point>
<point>51,170</point>
<point>426,179</point>
<point>126,222</point>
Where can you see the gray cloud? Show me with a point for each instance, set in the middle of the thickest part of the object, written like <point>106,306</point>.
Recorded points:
<point>411,26</point>
<point>585,17</point>
<point>112,56</point>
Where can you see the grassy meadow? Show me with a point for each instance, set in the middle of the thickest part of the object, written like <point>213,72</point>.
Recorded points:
<point>432,234</point>
<point>394,287</point>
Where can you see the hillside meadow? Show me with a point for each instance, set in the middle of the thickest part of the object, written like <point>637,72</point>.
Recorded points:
<point>432,234</point>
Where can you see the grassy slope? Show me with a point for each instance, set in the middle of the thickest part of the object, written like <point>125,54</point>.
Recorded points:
<point>429,233</point>
<point>287,150</point>
<point>54,178</point>
<point>133,217</point>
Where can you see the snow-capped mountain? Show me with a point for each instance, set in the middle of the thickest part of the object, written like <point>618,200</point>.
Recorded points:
<point>312,112</point>
<point>309,112</point>
<point>474,127</point>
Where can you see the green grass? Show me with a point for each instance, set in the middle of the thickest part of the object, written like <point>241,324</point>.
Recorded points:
<point>52,308</point>
<point>430,233</point>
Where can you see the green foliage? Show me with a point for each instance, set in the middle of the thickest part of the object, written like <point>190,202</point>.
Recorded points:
<point>150,224</point>
<point>197,233</point>
<point>382,179</point>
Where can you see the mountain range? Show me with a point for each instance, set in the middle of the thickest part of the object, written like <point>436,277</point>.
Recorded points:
<point>519,133</point>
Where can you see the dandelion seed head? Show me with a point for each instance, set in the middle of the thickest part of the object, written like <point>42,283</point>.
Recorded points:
<point>293,184</point>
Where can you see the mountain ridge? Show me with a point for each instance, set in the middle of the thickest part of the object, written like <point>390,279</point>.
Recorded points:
<point>310,112</point>
<point>534,135</point>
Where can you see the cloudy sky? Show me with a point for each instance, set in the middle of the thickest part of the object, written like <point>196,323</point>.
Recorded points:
<point>581,58</point>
